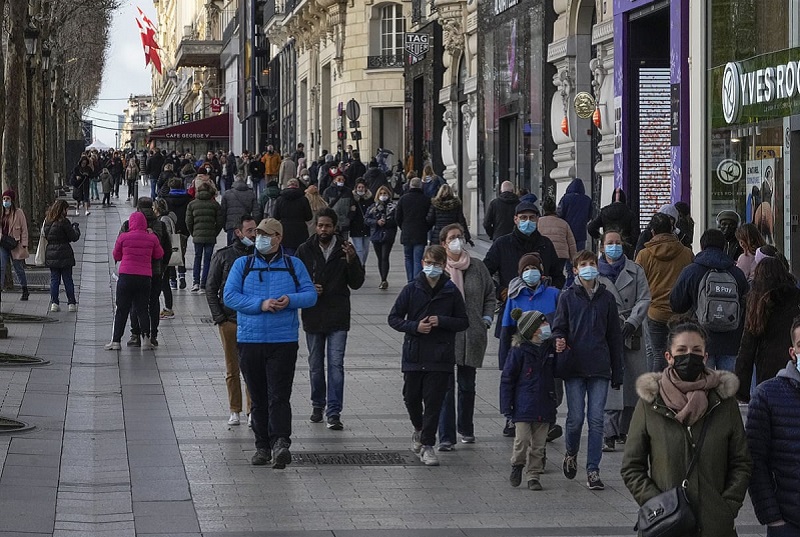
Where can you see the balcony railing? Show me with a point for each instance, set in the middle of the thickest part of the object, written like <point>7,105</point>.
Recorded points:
<point>386,61</point>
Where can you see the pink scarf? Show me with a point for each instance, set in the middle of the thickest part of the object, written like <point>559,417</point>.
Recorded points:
<point>456,269</point>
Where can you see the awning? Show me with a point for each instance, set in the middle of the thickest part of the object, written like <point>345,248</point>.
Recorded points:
<point>210,128</point>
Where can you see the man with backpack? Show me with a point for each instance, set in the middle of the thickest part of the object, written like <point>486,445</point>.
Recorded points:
<point>712,289</point>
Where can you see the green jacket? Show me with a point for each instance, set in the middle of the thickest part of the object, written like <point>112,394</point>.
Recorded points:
<point>204,218</point>
<point>657,454</point>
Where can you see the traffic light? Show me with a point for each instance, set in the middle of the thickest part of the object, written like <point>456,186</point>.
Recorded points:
<point>341,135</point>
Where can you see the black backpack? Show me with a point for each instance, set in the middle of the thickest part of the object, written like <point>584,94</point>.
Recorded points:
<point>718,304</point>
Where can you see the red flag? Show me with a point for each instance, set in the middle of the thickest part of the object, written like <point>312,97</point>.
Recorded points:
<point>149,44</point>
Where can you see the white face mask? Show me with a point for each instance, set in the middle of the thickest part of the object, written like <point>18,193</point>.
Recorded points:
<point>384,198</point>
<point>455,246</point>
<point>263,243</point>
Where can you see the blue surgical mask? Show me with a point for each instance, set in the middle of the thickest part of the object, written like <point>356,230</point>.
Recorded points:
<point>588,273</point>
<point>527,226</point>
<point>613,251</point>
<point>263,243</point>
<point>545,332</point>
<point>432,272</point>
<point>532,276</point>
<point>246,241</point>
<point>7,204</point>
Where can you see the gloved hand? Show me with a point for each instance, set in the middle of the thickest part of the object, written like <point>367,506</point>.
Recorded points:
<point>471,243</point>
<point>627,330</point>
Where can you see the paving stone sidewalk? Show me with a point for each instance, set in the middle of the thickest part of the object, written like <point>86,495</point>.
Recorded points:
<point>136,443</point>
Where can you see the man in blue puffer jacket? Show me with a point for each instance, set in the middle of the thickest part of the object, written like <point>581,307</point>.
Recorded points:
<point>773,435</point>
<point>266,289</point>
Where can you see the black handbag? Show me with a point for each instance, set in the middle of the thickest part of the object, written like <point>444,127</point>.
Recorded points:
<point>670,514</point>
<point>8,242</point>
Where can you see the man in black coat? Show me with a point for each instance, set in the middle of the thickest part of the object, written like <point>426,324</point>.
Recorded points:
<point>355,171</point>
<point>500,214</point>
<point>375,178</point>
<point>411,216</point>
<point>153,168</point>
<point>224,317</point>
<point>334,268</point>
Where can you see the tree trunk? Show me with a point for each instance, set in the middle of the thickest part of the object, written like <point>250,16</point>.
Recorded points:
<point>2,85</point>
<point>37,191</point>
<point>14,78</point>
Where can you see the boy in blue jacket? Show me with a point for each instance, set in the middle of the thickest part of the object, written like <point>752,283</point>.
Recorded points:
<point>587,321</point>
<point>528,394</point>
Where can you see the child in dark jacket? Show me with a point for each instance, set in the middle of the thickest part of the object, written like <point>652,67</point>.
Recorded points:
<point>528,394</point>
<point>587,321</point>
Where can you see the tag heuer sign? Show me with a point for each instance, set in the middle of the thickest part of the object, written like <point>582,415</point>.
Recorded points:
<point>416,47</point>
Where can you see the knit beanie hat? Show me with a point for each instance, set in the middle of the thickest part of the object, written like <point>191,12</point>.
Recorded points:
<point>10,193</point>
<point>529,259</point>
<point>528,322</point>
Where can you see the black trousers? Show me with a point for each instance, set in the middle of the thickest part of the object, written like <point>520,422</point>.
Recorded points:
<point>382,251</point>
<point>268,371</point>
<point>132,295</point>
<point>152,309</point>
<point>423,393</point>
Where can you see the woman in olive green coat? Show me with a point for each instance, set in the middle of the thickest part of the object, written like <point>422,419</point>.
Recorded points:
<point>669,417</point>
<point>204,220</point>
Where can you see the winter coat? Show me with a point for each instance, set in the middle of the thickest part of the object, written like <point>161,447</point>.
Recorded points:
<point>411,216</point>
<point>431,188</point>
<point>268,199</point>
<point>375,178</point>
<point>293,211</point>
<point>287,170</point>
<point>340,199</point>
<point>767,352</point>
<point>244,293</point>
<point>528,384</point>
<point>60,234</point>
<point>256,170</point>
<point>506,251</point>
<point>773,435</point>
<point>542,298</point>
<point>18,228</point>
<point>358,226</point>
<point>80,183</point>
<point>353,173</point>
<point>617,216</point>
<point>480,302</point>
<point>177,202</point>
<point>663,259</point>
<point>204,218</point>
<point>632,294</point>
<point>733,249</point>
<point>576,208</point>
<point>272,163</point>
<point>381,211</point>
<point>136,248</point>
<point>557,230</point>
<point>499,219</point>
<point>238,201</point>
<point>107,182</point>
<point>336,276</point>
<point>155,163</point>
<point>434,351</point>
<point>221,263</point>
<point>158,265</point>
<point>131,175</point>
<point>444,212</point>
<point>592,330</point>
<point>163,182</point>
<point>685,230</point>
<point>659,448</point>
<point>685,292</point>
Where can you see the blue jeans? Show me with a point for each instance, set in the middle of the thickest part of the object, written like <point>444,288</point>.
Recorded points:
<point>93,192</point>
<point>413,256</point>
<point>586,393</point>
<point>657,333</point>
<point>335,342</point>
<point>448,423</point>
<point>56,276</point>
<point>361,245</point>
<point>18,264</point>
<point>722,362</point>
<point>202,254</point>
<point>153,181</point>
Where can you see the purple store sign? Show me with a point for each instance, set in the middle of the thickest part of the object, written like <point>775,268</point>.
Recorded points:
<point>679,68</point>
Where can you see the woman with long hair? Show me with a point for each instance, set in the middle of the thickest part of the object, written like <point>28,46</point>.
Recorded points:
<point>750,240</point>
<point>431,183</point>
<point>383,230</point>
<point>316,201</point>
<point>446,209</point>
<point>772,303</point>
<point>59,256</point>
<point>14,225</point>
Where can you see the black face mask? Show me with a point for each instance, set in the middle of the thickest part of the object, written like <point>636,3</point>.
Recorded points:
<point>688,366</point>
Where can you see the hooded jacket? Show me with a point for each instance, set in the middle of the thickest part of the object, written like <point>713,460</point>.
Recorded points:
<point>774,439</point>
<point>659,448</point>
<point>576,208</point>
<point>340,199</point>
<point>618,216</point>
<point>204,218</point>
<point>177,202</point>
<point>221,263</point>
<point>238,201</point>
<point>60,234</point>
<point>685,292</point>
<point>663,259</point>
<point>528,385</point>
<point>160,230</point>
<point>293,211</point>
<point>444,212</point>
<point>375,178</point>
<point>499,218</point>
<point>136,249</point>
<point>411,216</point>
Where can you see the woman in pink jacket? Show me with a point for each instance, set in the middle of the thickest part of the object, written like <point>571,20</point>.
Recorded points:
<point>14,225</point>
<point>135,251</point>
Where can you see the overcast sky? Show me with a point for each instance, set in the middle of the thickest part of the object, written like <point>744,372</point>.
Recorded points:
<point>124,73</point>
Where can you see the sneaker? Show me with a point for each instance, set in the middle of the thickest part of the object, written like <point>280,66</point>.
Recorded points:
<point>416,441</point>
<point>467,439</point>
<point>334,423</point>
<point>261,457</point>
<point>281,454</point>
<point>570,466</point>
<point>112,346</point>
<point>534,484</point>
<point>173,284</point>
<point>72,307</point>
<point>88,213</point>
<point>195,288</point>
<point>234,419</point>
<point>384,285</point>
<point>146,345</point>
<point>593,481</point>
<point>516,475</point>
<point>55,307</point>
<point>182,283</point>
<point>250,420</point>
<point>134,341</point>
<point>446,446</point>
<point>508,430</point>
<point>316,415</point>
<point>621,439</point>
<point>166,314</point>
<point>554,432</point>
<point>154,342</point>
<point>428,456</point>
<point>609,445</point>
